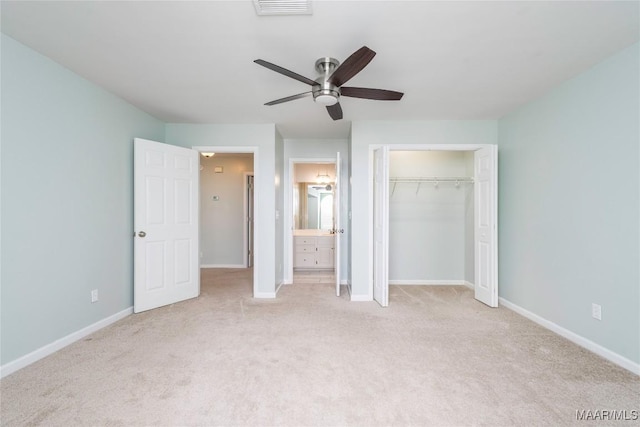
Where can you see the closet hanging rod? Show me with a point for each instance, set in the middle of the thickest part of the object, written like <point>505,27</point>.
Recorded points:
<point>433,179</point>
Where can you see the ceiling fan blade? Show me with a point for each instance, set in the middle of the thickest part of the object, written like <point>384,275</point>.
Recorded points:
<point>368,93</point>
<point>284,71</point>
<point>289,98</point>
<point>335,111</point>
<point>351,66</point>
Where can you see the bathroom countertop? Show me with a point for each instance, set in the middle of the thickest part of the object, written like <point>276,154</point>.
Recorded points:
<point>312,233</point>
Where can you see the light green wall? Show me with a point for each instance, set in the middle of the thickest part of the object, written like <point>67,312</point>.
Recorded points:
<point>569,205</point>
<point>67,200</point>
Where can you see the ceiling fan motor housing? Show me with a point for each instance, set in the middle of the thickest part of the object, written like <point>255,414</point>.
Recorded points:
<point>324,92</point>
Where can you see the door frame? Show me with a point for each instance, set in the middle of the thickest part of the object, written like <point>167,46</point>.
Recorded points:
<point>337,224</point>
<point>245,202</point>
<point>371,207</point>
<point>288,217</point>
<point>256,206</point>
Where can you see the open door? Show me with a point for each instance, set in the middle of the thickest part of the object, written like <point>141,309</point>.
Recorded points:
<point>166,182</point>
<point>486,225</point>
<point>381,226</point>
<point>337,224</point>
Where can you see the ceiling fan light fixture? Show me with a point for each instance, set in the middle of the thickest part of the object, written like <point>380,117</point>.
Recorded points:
<point>326,94</point>
<point>327,100</point>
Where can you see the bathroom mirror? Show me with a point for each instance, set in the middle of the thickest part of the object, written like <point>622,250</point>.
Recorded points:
<point>313,206</point>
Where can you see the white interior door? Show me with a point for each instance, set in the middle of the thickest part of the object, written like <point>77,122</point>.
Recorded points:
<point>486,225</point>
<point>337,224</point>
<point>166,207</point>
<point>381,226</point>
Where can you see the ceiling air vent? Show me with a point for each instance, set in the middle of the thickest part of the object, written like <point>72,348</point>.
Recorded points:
<point>283,7</point>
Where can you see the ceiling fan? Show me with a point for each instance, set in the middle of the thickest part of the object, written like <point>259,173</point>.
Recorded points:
<point>327,88</point>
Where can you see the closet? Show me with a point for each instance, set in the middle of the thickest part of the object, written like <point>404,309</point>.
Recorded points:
<point>431,217</point>
<point>435,218</point>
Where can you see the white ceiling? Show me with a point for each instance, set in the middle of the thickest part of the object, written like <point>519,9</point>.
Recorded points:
<point>192,61</point>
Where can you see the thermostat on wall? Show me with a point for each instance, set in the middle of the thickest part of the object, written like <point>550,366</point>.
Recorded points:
<point>217,169</point>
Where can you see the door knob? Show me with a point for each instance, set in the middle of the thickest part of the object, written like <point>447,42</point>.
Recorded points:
<point>142,234</point>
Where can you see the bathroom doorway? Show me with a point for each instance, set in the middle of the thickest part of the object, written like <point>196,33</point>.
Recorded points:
<point>314,213</point>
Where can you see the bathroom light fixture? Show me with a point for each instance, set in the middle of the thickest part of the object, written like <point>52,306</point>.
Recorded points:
<point>324,177</point>
<point>207,154</point>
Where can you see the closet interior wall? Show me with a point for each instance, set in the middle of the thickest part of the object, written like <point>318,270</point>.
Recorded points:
<point>431,217</point>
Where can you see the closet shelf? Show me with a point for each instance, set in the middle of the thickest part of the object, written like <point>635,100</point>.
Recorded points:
<point>436,180</point>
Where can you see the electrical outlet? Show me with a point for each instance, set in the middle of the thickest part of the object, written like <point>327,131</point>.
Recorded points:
<point>596,311</point>
<point>94,295</point>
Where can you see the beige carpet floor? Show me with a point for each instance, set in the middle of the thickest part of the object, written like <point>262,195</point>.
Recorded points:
<point>435,357</point>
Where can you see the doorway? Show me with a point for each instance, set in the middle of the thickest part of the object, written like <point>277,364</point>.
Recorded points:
<point>227,216</point>
<point>313,248</point>
<point>435,218</point>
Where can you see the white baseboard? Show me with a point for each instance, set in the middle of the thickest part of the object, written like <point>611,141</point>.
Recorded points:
<point>469,284</point>
<point>264,295</point>
<point>290,282</point>
<point>575,338</point>
<point>223,266</point>
<point>42,352</point>
<point>429,282</point>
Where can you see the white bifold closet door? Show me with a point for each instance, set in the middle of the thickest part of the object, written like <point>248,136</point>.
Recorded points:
<point>486,225</point>
<point>381,226</point>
